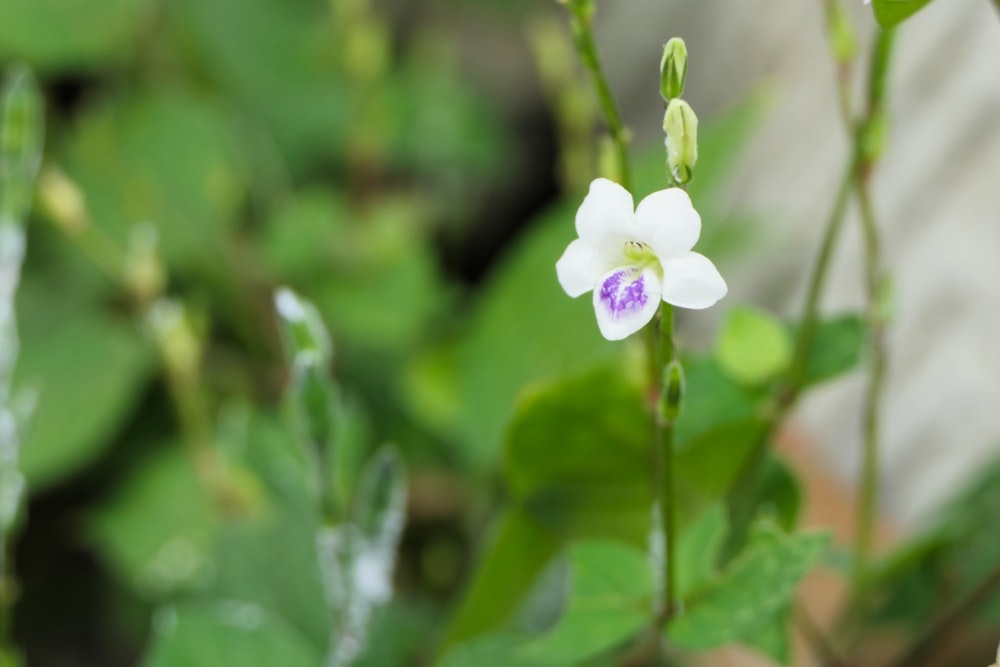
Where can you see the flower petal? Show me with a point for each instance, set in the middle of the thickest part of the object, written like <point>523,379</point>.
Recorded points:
<point>625,300</point>
<point>606,211</point>
<point>667,221</point>
<point>583,263</point>
<point>692,281</point>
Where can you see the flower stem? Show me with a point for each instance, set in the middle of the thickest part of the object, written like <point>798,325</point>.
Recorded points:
<point>665,493</point>
<point>581,23</point>
<point>874,279</point>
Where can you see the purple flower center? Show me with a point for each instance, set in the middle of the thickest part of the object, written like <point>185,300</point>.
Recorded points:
<point>621,295</point>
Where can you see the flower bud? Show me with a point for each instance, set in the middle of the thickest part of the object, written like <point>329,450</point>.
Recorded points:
<point>62,200</point>
<point>673,69</point>
<point>843,41</point>
<point>681,125</point>
<point>143,271</point>
<point>672,392</point>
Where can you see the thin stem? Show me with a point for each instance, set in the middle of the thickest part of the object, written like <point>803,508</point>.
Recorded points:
<point>869,482</point>
<point>666,495</point>
<point>583,37</point>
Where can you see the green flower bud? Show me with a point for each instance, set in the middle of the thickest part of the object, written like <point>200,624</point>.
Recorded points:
<point>843,41</point>
<point>673,69</point>
<point>681,125</point>
<point>672,392</point>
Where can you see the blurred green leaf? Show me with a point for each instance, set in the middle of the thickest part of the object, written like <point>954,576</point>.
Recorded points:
<point>752,347</point>
<point>88,371</point>
<point>836,348</point>
<point>165,158</point>
<point>515,554</point>
<point>226,633</point>
<point>493,650</point>
<point>774,638</point>
<point>68,35</point>
<point>577,456</point>
<point>698,552</point>
<point>157,530</point>
<point>756,586</point>
<point>608,604</point>
<point>273,57</point>
<point>890,13</point>
<point>778,494</point>
<point>372,274</point>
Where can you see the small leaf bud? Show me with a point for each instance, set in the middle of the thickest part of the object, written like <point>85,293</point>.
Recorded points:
<point>673,69</point>
<point>681,126</point>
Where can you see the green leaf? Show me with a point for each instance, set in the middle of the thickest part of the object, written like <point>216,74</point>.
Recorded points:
<point>836,348</point>
<point>158,529</point>
<point>577,455</point>
<point>515,555</point>
<point>698,551</point>
<point>777,494</point>
<point>756,586</point>
<point>890,13</point>
<point>609,603</point>
<point>226,633</point>
<point>773,639</point>
<point>166,158</point>
<point>753,347</point>
<point>493,650</point>
<point>68,35</point>
<point>88,372</point>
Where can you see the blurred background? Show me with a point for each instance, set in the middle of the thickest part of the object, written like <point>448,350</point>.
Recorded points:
<point>413,168</point>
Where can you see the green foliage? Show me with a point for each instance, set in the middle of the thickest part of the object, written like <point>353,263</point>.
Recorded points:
<point>67,35</point>
<point>88,371</point>
<point>890,13</point>
<point>608,604</point>
<point>752,346</point>
<point>158,530</point>
<point>750,593</point>
<point>231,632</point>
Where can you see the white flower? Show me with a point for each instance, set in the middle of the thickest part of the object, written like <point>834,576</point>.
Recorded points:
<point>633,258</point>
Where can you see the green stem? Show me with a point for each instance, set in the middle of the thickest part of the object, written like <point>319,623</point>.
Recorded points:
<point>666,493</point>
<point>869,482</point>
<point>582,14</point>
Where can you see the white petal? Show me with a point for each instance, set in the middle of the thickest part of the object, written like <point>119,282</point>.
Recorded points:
<point>583,263</point>
<point>692,281</point>
<point>667,221</point>
<point>625,300</point>
<point>606,211</point>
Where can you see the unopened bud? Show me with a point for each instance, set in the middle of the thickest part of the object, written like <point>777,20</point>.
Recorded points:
<point>673,69</point>
<point>843,42</point>
<point>143,271</point>
<point>672,392</point>
<point>681,126</point>
<point>62,200</point>
<point>302,328</point>
<point>174,333</point>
